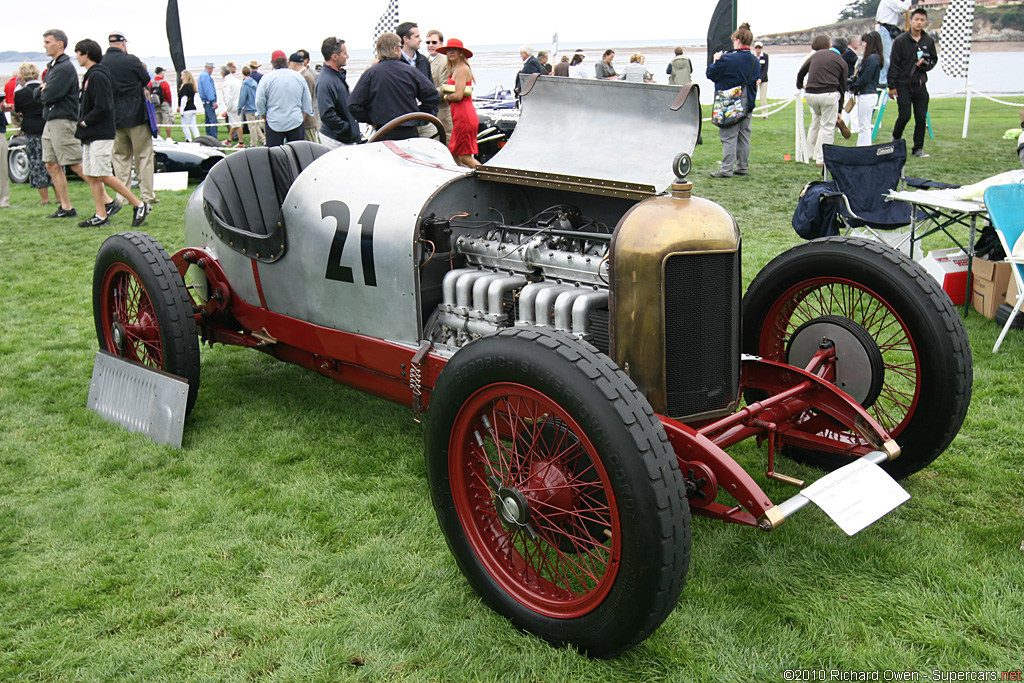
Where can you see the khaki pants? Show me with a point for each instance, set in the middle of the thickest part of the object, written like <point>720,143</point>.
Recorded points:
<point>5,183</point>
<point>824,113</point>
<point>256,136</point>
<point>135,145</point>
<point>311,134</point>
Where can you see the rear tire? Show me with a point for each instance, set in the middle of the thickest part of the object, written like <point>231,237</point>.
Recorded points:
<point>208,141</point>
<point>142,309</point>
<point>17,165</point>
<point>910,323</point>
<point>557,490</point>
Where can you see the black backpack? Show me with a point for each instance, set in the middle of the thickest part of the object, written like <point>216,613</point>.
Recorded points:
<point>156,92</point>
<point>817,211</point>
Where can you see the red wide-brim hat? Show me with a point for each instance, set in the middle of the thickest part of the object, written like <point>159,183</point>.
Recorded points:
<point>455,42</point>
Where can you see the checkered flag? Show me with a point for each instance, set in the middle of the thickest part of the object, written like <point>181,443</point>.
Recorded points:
<point>388,21</point>
<point>956,38</point>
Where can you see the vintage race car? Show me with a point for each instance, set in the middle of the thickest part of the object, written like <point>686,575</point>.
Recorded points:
<point>569,319</point>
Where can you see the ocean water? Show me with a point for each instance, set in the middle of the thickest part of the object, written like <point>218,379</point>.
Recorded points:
<point>495,66</point>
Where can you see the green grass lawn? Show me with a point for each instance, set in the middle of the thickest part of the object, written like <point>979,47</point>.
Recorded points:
<point>292,536</point>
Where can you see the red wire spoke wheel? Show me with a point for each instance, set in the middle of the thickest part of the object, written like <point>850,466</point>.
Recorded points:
<point>530,493</point>
<point>129,321</point>
<point>557,491</point>
<point>142,309</point>
<point>901,347</point>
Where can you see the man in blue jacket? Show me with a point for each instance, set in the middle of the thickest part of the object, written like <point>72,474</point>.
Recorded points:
<point>247,107</point>
<point>208,94</point>
<point>337,126</point>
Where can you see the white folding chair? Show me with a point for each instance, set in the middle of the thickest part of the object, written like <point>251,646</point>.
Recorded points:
<point>1005,205</point>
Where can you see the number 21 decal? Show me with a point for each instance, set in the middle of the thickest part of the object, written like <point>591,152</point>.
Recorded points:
<point>340,213</point>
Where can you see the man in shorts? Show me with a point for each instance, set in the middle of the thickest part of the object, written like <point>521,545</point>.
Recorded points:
<point>59,97</point>
<point>96,129</point>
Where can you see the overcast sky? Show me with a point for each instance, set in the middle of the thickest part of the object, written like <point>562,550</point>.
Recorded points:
<point>225,27</point>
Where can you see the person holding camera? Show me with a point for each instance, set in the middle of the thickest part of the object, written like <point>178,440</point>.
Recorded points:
<point>913,56</point>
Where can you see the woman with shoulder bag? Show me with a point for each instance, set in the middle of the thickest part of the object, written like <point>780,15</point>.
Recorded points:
<point>737,68</point>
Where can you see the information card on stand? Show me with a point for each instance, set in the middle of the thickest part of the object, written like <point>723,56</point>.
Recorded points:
<point>856,495</point>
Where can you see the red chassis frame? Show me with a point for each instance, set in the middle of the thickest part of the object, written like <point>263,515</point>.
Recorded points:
<point>799,403</point>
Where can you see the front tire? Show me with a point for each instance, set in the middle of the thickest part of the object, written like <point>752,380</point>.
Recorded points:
<point>142,309</point>
<point>557,490</point>
<point>901,330</point>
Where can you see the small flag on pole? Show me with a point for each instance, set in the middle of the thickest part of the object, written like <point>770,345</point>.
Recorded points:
<point>554,45</point>
<point>388,21</point>
<point>721,27</point>
<point>957,28</point>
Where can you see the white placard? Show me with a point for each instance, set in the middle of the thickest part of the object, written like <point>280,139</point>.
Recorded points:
<point>856,495</point>
<point>175,181</point>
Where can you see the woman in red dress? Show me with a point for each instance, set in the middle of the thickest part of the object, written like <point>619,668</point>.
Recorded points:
<point>458,92</point>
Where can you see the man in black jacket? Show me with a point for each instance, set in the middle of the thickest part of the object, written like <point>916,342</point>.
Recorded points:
<point>59,97</point>
<point>134,139</point>
<point>391,88</point>
<point>337,127</point>
<point>96,129</point>
<point>531,65</point>
<point>913,55</point>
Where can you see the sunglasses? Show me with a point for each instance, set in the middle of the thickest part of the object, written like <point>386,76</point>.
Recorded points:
<point>433,42</point>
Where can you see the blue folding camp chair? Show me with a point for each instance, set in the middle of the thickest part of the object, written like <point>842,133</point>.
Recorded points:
<point>1005,205</point>
<point>865,175</point>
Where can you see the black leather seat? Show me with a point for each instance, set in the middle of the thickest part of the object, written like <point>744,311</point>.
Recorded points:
<point>288,161</point>
<point>243,195</point>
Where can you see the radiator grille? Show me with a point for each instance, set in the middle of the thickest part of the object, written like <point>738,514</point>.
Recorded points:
<point>701,332</point>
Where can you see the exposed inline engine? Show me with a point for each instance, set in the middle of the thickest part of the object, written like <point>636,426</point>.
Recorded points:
<point>551,271</point>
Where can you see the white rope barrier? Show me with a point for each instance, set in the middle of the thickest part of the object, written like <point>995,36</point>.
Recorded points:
<point>997,101</point>
<point>11,129</point>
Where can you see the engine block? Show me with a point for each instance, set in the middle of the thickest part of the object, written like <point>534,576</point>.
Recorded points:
<point>541,278</point>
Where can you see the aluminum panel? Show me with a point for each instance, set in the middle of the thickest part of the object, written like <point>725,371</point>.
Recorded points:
<point>351,224</point>
<point>237,267</point>
<point>139,398</point>
<point>599,132</point>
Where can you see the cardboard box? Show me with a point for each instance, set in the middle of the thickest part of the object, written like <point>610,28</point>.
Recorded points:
<point>988,289</point>
<point>949,267</point>
<point>1011,292</point>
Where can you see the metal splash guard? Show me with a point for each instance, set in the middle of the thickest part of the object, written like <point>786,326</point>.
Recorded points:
<point>598,137</point>
<point>139,398</point>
